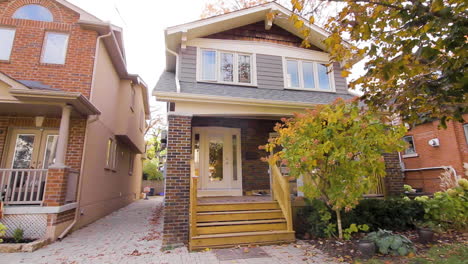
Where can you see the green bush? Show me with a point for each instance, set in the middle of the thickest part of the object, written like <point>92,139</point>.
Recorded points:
<point>18,235</point>
<point>448,209</point>
<point>2,232</point>
<point>316,219</point>
<point>151,171</point>
<point>389,243</point>
<point>393,214</point>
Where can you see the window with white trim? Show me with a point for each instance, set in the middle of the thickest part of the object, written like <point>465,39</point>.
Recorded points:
<point>111,154</point>
<point>55,48</point>
<point>308,75</point>
<point>226,67</point>
<point>411,149</point>
<point>7,36</point>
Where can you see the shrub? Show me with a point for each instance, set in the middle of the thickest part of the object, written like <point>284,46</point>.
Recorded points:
<point>448,209</point>
<point>151,171</point>
<point>2,232</point>
<point>393,214</point>
<point>316,219</point>
<point>389,243</point>
<point>18,235</point>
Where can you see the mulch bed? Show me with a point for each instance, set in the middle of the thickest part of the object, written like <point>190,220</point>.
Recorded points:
<point>346,251</point>
<point>12,241</point>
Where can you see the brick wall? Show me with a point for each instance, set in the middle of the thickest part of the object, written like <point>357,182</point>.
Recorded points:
<point>177,190</point>
<point>254,132</point>
<point>56,219</point>
<point>394,180</point>
<point>56,187</point>
<point>24,64</point>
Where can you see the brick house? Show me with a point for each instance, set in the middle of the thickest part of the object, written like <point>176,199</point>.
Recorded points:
<point>229,79</point>
<point>430,149</point>
<point>72,118</point>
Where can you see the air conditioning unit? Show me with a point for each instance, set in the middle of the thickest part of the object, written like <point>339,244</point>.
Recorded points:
<point>434,142</point>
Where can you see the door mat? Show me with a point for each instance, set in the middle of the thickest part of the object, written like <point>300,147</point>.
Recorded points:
<point>240,253</point>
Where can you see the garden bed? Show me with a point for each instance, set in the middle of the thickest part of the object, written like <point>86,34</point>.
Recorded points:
<point>346,251</point>
<point>27,245</point>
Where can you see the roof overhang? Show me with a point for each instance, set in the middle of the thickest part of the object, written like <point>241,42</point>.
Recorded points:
<point>176,35</point>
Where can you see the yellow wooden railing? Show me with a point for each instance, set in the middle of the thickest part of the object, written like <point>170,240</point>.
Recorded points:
<point>379,188</point>
<point>282,194</point>
<point>193,200</point>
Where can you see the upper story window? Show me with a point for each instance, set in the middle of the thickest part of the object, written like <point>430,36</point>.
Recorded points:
<point>55,48</point>
<point>411,149</point>
<point>308,75</point>
<point>465,127</point>
<point>226,67</point>
<point>7,36</point>
<point>34,12</point>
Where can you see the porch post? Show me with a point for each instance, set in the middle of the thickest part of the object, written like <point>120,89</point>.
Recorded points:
<point>63,137</point>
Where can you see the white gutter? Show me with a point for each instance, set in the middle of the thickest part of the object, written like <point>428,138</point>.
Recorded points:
<point>90,120</point>
<point>176,69</point>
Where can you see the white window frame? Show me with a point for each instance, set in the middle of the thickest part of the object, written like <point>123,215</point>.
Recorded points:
<point>12,42</point>
<point>44,43</point>
<point>301,87</point>
<point>253,67</point>
<point>465,128</point>
<point>410,155</point>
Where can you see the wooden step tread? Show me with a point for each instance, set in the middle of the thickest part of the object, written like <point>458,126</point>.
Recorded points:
<point>240,212</point>
<point>236,203</point>
<point>220,207</point>
<point>252,222</point>
<point>261,233</point>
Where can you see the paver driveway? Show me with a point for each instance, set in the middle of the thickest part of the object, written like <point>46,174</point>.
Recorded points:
<point>133,235</point>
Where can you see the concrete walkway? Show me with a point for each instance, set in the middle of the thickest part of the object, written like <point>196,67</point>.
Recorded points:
<point>133,235</point>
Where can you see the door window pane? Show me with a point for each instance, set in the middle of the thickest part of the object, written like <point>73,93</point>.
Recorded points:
<point>293,74</point>
<point>7,35</point>
<point>244,69</point>
<point>308,72</point>
<point>209,65</point>
<point>196,154</point>
<point>23,152</point>
<point>234,157</point>
<point>227,67</point>
<point>216,146</point>
<point>55,48</point>
<point>34,12</point>
<point>324,79</point>
<point>50,151</point>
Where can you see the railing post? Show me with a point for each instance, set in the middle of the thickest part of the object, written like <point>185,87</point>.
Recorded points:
<point>193,202</point>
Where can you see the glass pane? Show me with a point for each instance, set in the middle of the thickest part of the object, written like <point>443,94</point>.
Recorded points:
<point>209,65</point>
<point>227,67</point>
<point>34,12</point>
<point>324,80</point>
<point>196,154</point>
<point>23,152</point>
<point>7,35</point>
<point>244,69</point>
<point>411,148</point>
<point>51,148</point>
<point>465,126</point>
<point>234,157</point>
<point>308,73</point>
<point>216,146</point>
<point>108,152</point>
<point>55,48</point>
<point>293,74</point>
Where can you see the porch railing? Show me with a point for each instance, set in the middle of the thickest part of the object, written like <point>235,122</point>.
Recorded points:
<point>282,194</point>
<point>193,200</point>
<point>22,186</point>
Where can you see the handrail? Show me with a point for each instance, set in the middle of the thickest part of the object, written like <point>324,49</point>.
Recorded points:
<point>22,186</point>
<point>282,194</point>
<point>193,201</point>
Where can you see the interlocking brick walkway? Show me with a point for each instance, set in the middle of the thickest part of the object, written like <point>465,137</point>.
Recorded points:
<point>132,235</point>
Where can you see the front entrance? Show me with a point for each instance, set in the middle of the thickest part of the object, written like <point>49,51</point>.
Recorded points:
<point>31,148</point>
<point>217,158</point>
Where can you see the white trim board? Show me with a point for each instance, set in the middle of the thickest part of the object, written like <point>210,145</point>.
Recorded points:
<point>26,210</point>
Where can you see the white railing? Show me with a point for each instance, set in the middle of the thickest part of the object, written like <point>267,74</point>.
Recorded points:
<point>22,186</point>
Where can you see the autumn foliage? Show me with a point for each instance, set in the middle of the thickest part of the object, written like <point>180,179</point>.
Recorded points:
<point>338,150</point>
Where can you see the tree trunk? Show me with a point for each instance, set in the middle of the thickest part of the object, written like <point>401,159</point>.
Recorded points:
<point>340,228</point>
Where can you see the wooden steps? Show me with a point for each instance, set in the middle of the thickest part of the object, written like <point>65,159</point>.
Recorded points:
<point>225,225</point>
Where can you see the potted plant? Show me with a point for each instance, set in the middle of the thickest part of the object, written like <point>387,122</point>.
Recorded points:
<point>426,231</point>
<point>366,247</point>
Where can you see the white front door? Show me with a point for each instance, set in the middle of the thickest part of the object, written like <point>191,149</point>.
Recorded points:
<point>217,157</point>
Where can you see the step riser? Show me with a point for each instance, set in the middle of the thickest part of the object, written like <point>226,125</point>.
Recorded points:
<point>239,216</point>
<point>237,207</point>
<point>239,228</point>
<point>242,240</point>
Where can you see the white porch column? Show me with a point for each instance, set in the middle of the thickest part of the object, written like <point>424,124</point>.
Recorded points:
<point>63,137</point>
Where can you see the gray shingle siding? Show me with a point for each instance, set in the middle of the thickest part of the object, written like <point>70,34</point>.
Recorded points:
<point>341,86</point>
<point>188,64</point>
<point>270,72</point>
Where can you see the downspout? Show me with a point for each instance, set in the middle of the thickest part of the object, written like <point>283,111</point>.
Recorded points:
<point>91,119</point>
<point>176,69</point>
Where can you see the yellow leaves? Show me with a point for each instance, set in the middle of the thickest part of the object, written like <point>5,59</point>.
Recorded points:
<point>298,24</point>
<point>311,19</point>
<point>345,74</point>
<point>297,5</point>
<point>437,5</point>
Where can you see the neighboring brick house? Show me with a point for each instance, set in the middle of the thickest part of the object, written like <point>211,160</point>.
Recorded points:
<point>229,79</point>
<point>72,118</point>
<point>430,149</point>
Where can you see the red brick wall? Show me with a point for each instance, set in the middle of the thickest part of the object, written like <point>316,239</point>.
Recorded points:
<point>24,64</point>
<point>56,219</point>
<point>177,189</point>
<point>56,187</point>
<point>453,151</point>
<point>394,180</point>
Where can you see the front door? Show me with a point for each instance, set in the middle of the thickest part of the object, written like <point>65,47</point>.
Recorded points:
<point>31,148</point>
<point>217,160</point>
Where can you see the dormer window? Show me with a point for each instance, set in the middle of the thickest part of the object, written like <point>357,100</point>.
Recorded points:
<point>308,75</point>
<point>226,67</point>
<point>34,12</point>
